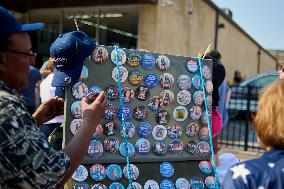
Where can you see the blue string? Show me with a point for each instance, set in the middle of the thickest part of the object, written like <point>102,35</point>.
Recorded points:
<point>122,119</point>
<point>208,123</point>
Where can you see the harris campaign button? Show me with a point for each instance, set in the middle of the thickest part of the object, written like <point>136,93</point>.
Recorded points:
<point>123,74</point>
<point>203,148</point>
<point>110,112</point>
<point>80,174</point>
<point>151,184</point>
<point>192,148</point>
<point>174,131</point>
<point>112,92</point>
<point>196,82</point>
<point>98,172</point>
<point>159,132</point>
<point>142,93</point>
<point>148,61</point>
<point>100,55</point>
<point>192,129</point>
<point>95,149</point>
<point>209,86</point>
<point>129,147</point>
<point>163,63</point>
<point>114,172</point>
<point>205,167</point>
<point>127,112</point>
<point>175,146</point>
<point>206,72</point>
<point>167,184</point>
<point>184,97</point>
<point>111,144</point>
<point>167,169</point>
<point>142,146</point>
<point>129,129</point>
<point>159,148</point>
<point>162,117</point>
<point>198,97</point>
<point>209,100</point>
<point>154,103</point>
<point>196,183</point>
<point>127,94</point>
<point>118,56</point>
<point>109,128</point>
<point>93,93</point>
<point>191,66</point>
<point>116,185</point>
<point>204,118</point>
<point>81,185</point>
<point>133,171</point>
<point>75,125</point>
<point>133,59</point>
<point>144,130</point>
<point>180,113</point>
<point>204,133</point>
<point>167,97</point>
<point>99,131</point>
<point>140,113</point>
<point>167,80</point>
<point>195,112</point>
<point>76,109</point>
<point>211,183</point>
<point>135,77</point>
<point>135,185</point>
<point>99,186</point>
<point>151,80</point>
<point>184,82</point>
<point>182,183</point>
<point>79,90</point>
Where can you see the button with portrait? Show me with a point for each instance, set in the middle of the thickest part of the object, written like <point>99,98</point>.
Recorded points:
<point>191,66</point>
<point>148,61</point>
<point>79,90</point>
<point>184,97</point>
<point>129,147</point>
<point>110,112</point>
<point>142,146</point>
<point>109,128</point>
<point>196,82</point>
<point>184,82</point>
<point>196,182</point>
<point>203,149</point>
<point>80,174</point>
<point>151,80</point>
<point>180,113</point>
<point>205,167</point>
<point>118,56</point>
<point>135,77</point>
<point>95,149</point>
<point>163,63</point>
<point>195,112</point>
<point>204,118</point>
<point>209,100</point>
<point>129,130</point>
<point>154,103</point>
<point>75,125</point>
<point>98,132</point>
<point>167,80</point>
<point>142,93</point>
<point>209,86</point>
<point>98,172</point>
<point>126,111</point>
<point>166,184</point>
<point>99,186</point>
<point>151,184</point>
<point>123,74</point>
<point>160,148</point>
<point>133,59</point>
<point>114,172</point>
<point>140,113</point>
<point>167,97</point>
<point>192,148</point>
<point>135,185</point>
<point>159,132</point>
<point>167,169</point>
<point>162,117</point>
<point>93,93</point>
<point>112,92</point>
<point>134,172</point>
<point>175,146</point>
<point>111,144</point>
<point>100,55</point>
<point>144,130</point>
<point>76,109</point>
<point>127,94</point>
<point>192,129</point>
<point>198,97</point>
<point>206,72</point>
<point>81,185</point>
<point>84,74</point>
<point>210,182</point>
<point>203,133</point>
<point>174,131</point>
<point>116,185</point>
<point>182,183</point>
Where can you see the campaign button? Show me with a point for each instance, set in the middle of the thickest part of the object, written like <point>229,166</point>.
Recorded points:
<point>100,55</point>
<point>80,174</point>
<point>109,128</point>
<point>209,86</point>
<point>182,183</point>
<point>99,186</point>
<point>75,125</point>
<point>195,112</point>
<point>151,184</point>
<point>203,148</point>
<point>180,113</point>
<point>142,146</point>
<point>191,66</point>
<point>151,80</point>
<point>167,80</point>
<point>154,103</point>
<point>206,72</point>
<point>81,185</point>
<point>79,90</point>
<point>192,148</point>
<point>204,118</point>
<point>127,94</point>
<point>192,129</point>
<point>135,185</point>
<point>95,149</point>
<point>98,172</point>
<point>133,59</point>
<point>142,93</point>
<point>93,93</point>
<point>76,109</point>
<point>135,77</point>
<point>163,63</point>
<point>130,148</point>
<point>184,97</point>
<point>162,117</point>
<point>140,113</point>
<point>159,148</point>
<point>204,133</point>
<point>184,82</point>
<point>114,172</point>
<point>196,82</point>
<point>84,74</point>
<point>123,74</point>
<point>127,112</point>
<point>144,130</point>
<point>159,132</point>
<point>167,97</point>
<point>167,184</point>
<point>99,131</point>
<point>134,172</point>
<point>118,56</point>
<point>110,112</point>
<point>196,183</point>
<point>176,146</point>
<point>205,167</point>
<point>116,185</point>
<point>167,169</point>
<point>148,61</point>
<point>112,92</point>
<point>129,129</point>
<point>211,183</point>
<point>111,144</point>
<point>174,131</point>
<point>198,97</point>
<point>209,100</point>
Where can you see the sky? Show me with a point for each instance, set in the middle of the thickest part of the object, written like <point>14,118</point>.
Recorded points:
<point>263,20</point>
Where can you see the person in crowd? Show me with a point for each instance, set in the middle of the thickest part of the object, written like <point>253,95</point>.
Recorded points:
<point>45,68</point>
<point>27,160</point>
<point>266,171</point>
<point>237,77</point>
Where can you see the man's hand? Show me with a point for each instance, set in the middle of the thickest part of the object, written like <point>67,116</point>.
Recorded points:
<point>49,110</point>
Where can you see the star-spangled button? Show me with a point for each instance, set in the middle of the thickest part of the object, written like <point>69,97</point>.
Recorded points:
<point>241,171</point>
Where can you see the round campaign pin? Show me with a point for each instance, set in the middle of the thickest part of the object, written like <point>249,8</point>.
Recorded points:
<point>129,129</point>
<point>140,113</point>
<point>127,94</point>
<point>99,131</point>
<point>118,57</point>
<point>135,185</point>
<point>204,118</point>
<point>206,72</point>
<point>154,103</point>
<point>142,146</point>
<point>163,63</point>
<point>98,172</point>
<point>203,133</point>
<point>192,147</point>
<point>192,129</point>
<point>99,186</point>
<point>195,112</point>
<point>111,144</point>
<point>79,90</point>
<point>167,169</point>
<point>184,82</point>
<point>209,100</point>
<point>210,182</point>
<point>167,97</point>
<point>176,146</point>
<point>159,148</point>
<point>81,185</point>
<point>174,131</point>
<point>133,59</point>
<point>159,132</point>
<point>162,117</point>
<point>76,109</point>
<point>182,183</point>
<point>116,185</point>
<point>198,97</point>
<point>148,61</point>
<point>130,147</point>
<point>134,171</point>
<point>180,113</point>
<point>95,149</point>
<point>110,112</point>
<point>126,111</point>
<point>112,92</point>
<point>80,174</point>
<point>184,97</point>
<point>123,74</point>
<point>151,80</point>
<point>191,66</point>
<point>84,74</point>
<point>135,77</point>
<point>205,167</point>
<point>209,86</point>
<point>167,184</point>
<point>142,93</point>
<point>75,125</point>
<point>144,130</point>
<point>196,183</point>
<point>167,80</point>
<point>203,148</point>
<point>114,172</point>
<point>109,128</point>
<point>196,82</point>
<point>151,184</point>
<point>93,93</point>
<point>100,55</point>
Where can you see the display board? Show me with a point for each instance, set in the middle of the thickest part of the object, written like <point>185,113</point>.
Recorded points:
<point>164,113</point>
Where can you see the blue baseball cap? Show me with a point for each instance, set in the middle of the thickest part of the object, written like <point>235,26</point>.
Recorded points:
<point>10,25</point>
<point>68,53</point>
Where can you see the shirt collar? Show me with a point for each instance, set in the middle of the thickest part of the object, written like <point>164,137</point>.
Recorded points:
<point>4,87</point>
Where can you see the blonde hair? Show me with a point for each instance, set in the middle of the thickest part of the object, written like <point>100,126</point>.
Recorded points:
<point>269,120</point>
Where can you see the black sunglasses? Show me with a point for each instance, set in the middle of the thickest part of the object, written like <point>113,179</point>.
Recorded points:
<point>30,53</point>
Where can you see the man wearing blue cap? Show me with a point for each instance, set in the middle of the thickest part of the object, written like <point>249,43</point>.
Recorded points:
<point>26,159</point>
